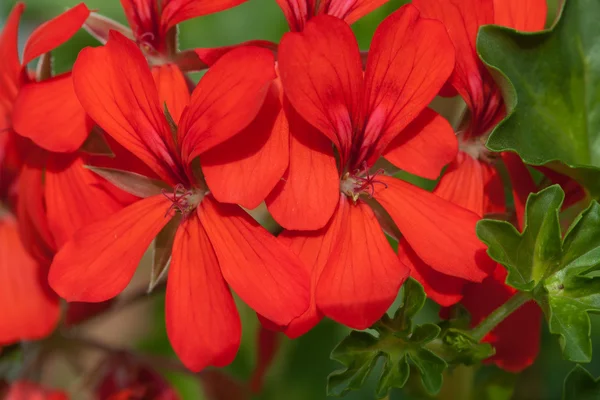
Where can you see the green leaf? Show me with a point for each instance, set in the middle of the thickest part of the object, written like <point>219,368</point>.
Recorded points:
<point>571,293</point>
<point>581,385</point>
<point>535,253</point>
<point>553,106</point>
<point>398,343</point>
<point>558,272</point>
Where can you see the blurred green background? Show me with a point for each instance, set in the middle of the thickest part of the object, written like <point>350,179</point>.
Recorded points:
<point>301,367</point>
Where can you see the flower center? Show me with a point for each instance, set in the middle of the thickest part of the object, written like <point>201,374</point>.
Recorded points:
<point>360,182</point>
<point>183,200</point>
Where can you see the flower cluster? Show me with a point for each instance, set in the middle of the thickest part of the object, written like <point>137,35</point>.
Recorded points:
<point>127,149</point>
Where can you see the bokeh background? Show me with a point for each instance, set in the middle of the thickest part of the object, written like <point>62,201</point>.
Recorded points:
<point>301,366</point>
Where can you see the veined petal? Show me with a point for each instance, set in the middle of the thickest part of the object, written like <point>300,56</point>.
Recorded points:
<point>463,183</point>
<point>297,12</point>
<point>462,19</point>
<point>11,67</point>
<point>30,310</point>
<point>425,146</point>
<point>363,275</point>
<point>321,73</point>
<point>245,169</point>
<point>49,113</point>
<point>176,11</point>
<point>115,87</point>
<point>306,197</point>
<point>172,88</point>
<point>441,233</point>
<point>444,289</point>
<point>494,201</point>
<point>522,15</point>
<point>75,197</point>
<point>263,272</point>
<point>404,73</point>
<point>55,32</point>
<point>314,249</point>
<point>101,258</point>
<point>226,100</point>
<point>349,10</point>
<point>202,321</point>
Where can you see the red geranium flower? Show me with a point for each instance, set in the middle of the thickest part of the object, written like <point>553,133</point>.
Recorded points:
<point>215,244</point>
<point>356,274</point>
<point>472,180</point>
<point>35,103</point>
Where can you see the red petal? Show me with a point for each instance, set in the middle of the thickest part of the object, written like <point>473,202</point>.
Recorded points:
<point>143,18</point>
<point>463,183</point>
<point>297,12</point>
<point>444,289</point>
<point>517,338</point>
<point>349,10</point>
<point>11,67</point>
<point>462,19</point>
<point>100,26</point>
<point>263,272</point>
<point>363,274</point>
<point>308,194</point>
<point>75,197</point>
<point>55,32</point>
<point>33,220</point>
<point>441,233</point>
<point>116,89</point>
<point>574,192</point>
<point>522,15</point>
<point>404,73</point>
<point>172,89</point>
<point>208,56</point>
<point>226,100</point>
<point>494,201</point>
<point>245,169</point>
<point>314,249</point>
<point>425,146</point>
<point>98,263</point>
<point>202,321</point>
<point>321,72</point>
<point>522,184</point>
<point>49,113</point>
<point>23,390</point>
<point>176,11</point>
<point>29,308</point>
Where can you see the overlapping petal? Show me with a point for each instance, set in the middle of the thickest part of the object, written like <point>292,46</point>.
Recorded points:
<point>176,11</point>
<point>321,73</point>
<point>173,90</point>
<point>202,321</point>
<point>98,263</point>
<point>429,222</point>
<point>115,87</point>
<point>30,310</point>
<point>425,146</point>
<point>49,113</point>
<point>245,169</point>
<point>404,73</point>
<point>226,100</point>
<point>263,272</point>
<point>306,197</point>
<point>349,10</point>
<point>363,274</point>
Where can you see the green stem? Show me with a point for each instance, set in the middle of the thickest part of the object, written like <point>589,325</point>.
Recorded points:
<point>499,314</point>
